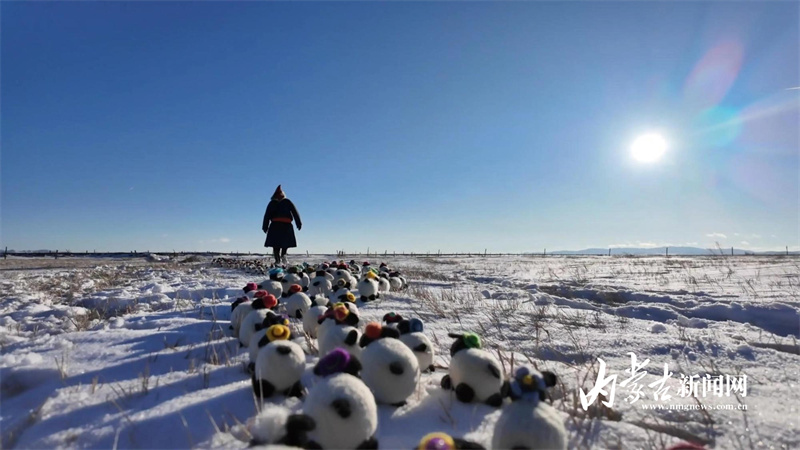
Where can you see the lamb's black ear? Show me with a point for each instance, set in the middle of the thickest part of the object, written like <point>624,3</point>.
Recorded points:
<point>353,367</point>
<point>390,333</point>
<point>549,378</point>
<point>351,320</point>
<point>455,335</point>
<point>263,341</point>
<point>352,337</point>
<point>299,423</point>
<point>238,302</point>
<point>404,326</point>
<point>364,341</point>
<point>298,314</point>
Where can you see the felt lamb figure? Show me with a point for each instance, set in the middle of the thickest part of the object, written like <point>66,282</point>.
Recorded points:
<point>291,276</point>
<point>296,301</point>
<point>279,365</point>
<point>341,293</point>
<point>305,280</point>
<point>239,309</point>
<point>392,319</point>
<point>529,422</point>
<point>383,283</point>
<point>320,284</point>
<point>411,334</point>
<point>276,425</point>
<point>354,269</point>
<point>273,284</point>
<point>257,339</point>
<point>397,281</point>
<point>255,317</point>
<point>390,369</point>
<point>250,290</point>
<point>368,287</point>
<point>311,320</point>
<point>343,273</point>
<point>337,330</point>
<point>341,405</point>
<point>443,441</point>
<point>338,314</point>
<point>319,300</point>
<point>475,374</point>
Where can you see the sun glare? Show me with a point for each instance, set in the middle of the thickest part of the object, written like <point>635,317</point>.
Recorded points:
<point>648,148</point>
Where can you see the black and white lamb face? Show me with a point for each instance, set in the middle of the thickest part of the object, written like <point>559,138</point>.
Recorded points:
<point>529,422</point>
<point>475,374</point>
<point>390,368</point>
<point>278,369</point>
<point>260,338</point>
<point>368,288</point>
<point>412,335</point>
<point>341,405</point>
<point>320,284</point>
<point>239,312</point>
<point>297,302</point>
<point>311,320</point>
<point>273,284</point>
<point>337,329</point>
<point>383,283</point>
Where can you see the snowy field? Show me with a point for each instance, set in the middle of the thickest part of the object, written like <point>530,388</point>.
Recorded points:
<point>132,353</point>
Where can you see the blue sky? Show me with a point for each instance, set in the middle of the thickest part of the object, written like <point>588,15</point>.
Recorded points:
<point>399,126</point>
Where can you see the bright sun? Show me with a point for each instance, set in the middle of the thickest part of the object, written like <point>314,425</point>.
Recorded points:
<point>648,148</point>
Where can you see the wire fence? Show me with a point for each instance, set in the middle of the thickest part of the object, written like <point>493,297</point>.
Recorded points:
<point>342,254</point>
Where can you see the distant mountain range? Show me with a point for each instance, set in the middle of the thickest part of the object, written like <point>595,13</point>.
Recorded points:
<point>663,250</point>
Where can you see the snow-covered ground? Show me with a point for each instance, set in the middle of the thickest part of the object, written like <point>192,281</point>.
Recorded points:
<point>136,353</point>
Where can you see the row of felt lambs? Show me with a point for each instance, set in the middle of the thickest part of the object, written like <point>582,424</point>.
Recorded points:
<point>359,370</point>
<point>325,279</point>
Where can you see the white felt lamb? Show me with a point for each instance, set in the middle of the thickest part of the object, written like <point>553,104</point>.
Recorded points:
<point>341,405</point>
<point>528,422</point>
<point>390,368</point>
<point>475,374</point>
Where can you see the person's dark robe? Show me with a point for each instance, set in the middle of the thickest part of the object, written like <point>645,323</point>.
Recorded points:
<point>280,234</point>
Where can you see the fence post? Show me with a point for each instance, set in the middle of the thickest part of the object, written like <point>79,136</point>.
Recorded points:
<point>609,252</point>
<point>667,251</point>
<point>545,252</point>
<point>731,251</point>
<point>484,252</point>
<point>787,250</point>
<point>56,254</point>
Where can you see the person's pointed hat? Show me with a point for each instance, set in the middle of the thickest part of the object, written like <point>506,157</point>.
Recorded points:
<point>278,195</point>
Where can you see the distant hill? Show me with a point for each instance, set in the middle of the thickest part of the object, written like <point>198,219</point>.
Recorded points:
<point>691,251</point>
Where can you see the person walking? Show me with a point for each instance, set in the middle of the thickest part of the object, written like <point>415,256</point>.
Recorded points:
<point>278,225</point>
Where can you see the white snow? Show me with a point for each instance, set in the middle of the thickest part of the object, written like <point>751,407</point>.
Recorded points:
<point>137,353</point>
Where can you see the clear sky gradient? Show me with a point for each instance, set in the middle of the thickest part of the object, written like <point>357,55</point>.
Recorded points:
<point>399,126</point>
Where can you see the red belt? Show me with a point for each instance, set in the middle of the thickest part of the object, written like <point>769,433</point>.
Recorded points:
<point>282,219</point>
